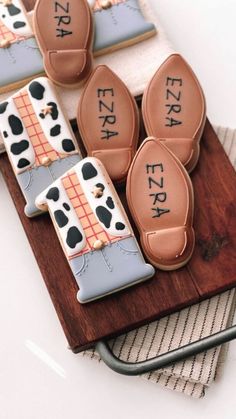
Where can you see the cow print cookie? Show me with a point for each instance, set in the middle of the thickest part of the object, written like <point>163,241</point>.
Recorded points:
<point>160,198</point>
<point>174,109</point>
<point>108,121</point>
<point>20,57</point>
<point>64,31</point>
<point>94,231</point>
<point>38,138</point>
<point>14,18</point>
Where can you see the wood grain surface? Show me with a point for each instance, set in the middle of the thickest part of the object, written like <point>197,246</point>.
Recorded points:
<point>211,270</point>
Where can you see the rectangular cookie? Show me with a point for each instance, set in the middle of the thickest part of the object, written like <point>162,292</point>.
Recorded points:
<point>94,231</point>
<point>38,139</point>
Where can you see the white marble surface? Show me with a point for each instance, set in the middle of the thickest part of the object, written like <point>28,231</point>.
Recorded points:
<point>39,377</point>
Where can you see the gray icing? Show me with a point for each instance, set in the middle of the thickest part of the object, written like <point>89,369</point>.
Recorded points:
<point>119,265</point>
<point>22,60</point>
<point>119,23</point>
<point>32,182</point>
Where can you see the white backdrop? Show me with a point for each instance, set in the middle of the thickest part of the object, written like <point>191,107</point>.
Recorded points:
<point>39,377</point>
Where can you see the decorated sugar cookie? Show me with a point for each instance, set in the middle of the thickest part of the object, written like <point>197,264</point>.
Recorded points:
<point>38,139</point>
<point>108,121</point>
<point>118,24</point>
<point>94,231</point>
<point>160,198</point>
<point>19,54</point>
<point>174,109</point>
<point>64,31</point>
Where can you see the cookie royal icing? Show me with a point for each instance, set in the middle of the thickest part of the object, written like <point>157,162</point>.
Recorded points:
<point>16,138</point>
<point>20,57</point>
<point>118,24</point>
<point>94,231</point>
<point>38,138</point>
<point>174,109</point>
<point>110,129</point>
<point>108,212</point>
<point>64,31</point>
<point>160,198</point>
<point>55,128</point>
<point>14,17</point>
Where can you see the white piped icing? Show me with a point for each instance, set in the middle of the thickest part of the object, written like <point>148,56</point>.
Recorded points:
<point>15,19</point>
<point>18,145</point>
<point>47,123</point>
<point>73,220</point>
<point>117,215</point>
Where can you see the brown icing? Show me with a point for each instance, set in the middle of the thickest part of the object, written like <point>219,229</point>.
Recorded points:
<point>160,198</point>
<point>108,122</point>
<point>174,109</point>
<point>64,31</point>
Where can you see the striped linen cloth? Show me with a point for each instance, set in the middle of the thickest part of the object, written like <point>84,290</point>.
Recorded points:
<point>194,375</point>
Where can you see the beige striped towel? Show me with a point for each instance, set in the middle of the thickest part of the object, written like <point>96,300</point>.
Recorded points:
<point>194,375</point>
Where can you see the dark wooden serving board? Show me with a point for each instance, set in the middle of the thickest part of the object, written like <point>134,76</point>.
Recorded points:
<point>211,270</point>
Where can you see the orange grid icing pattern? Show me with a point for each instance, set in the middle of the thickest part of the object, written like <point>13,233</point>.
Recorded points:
<point>5,33</point>
<point>92,228</point>
<point>98,3</point>
<point>42,148</point>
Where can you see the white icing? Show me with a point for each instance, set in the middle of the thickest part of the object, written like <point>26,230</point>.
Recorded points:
<point>47,123</point>
<point>9,20</point>
<point>14,139</point>
<point>88,186</point>
<point>91,2</point>
<point>71,215</point>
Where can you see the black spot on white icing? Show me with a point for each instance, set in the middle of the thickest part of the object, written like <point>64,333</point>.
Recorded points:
<point>15,125</point>
<point>19,24</point>
<point>22,163</point>
<point>100,185</point>
<point>61,218</point>
<point>104,216</point>
<point>18,148</point>
<point>55,130</point>
<point>88,171</point>
<point>5,134</point>
<point>3,107</point>
<point>120,226</point>
<point>36,90</point>
<point>54,112</point>
<point>110,203</point>
<point>13,10</point>
<point>74,237</point>
<point>68,145</point>
<point>53,194</point>
<point>66,206</point>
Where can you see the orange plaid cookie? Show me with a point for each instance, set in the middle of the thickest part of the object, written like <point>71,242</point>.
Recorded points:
<point>92,228</point>
<point>42,148</point>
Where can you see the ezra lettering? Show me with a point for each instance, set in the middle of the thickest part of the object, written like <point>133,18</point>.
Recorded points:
<point>156,185</point>
<point>173,98</point>
<point>62,18</point>
<point>107,116</point>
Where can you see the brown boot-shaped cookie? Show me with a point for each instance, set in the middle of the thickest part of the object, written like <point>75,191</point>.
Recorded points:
<point>174,109</point>
<point>108,121</point>
<point>160,198</point>
<point>64,31</point>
